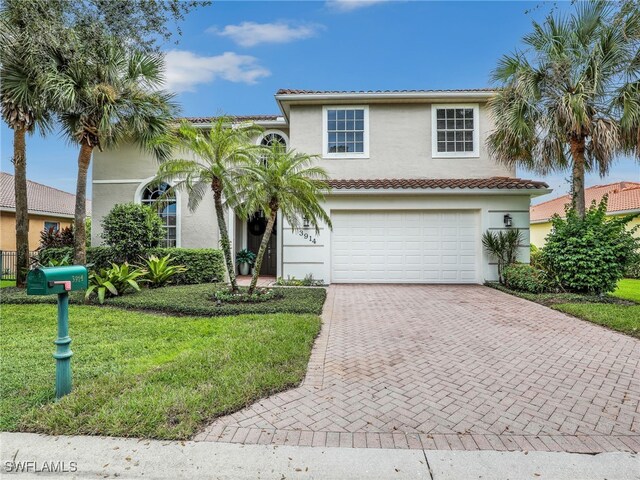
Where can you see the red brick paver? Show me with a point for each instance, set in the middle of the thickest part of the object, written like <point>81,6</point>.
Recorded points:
<point>452,367</point>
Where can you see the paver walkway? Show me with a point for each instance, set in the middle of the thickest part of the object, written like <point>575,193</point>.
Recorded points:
<point>452,367</point>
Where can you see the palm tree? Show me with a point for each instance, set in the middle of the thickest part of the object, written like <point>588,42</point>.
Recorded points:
<point>23,99</point>
<point>105,99</point>
<point>283,182</point>
<point>572,99</point>
<point>218,152</point>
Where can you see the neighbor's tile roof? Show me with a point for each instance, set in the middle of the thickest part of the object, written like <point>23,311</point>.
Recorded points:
<point>418,183</point>
<point>622,196</point>
<point>289,91</point>
<point>40,198</point>
<point>237,118</point>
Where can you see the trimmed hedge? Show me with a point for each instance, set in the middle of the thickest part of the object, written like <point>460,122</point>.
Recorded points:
<point>204,265</point>
<point>524,277</point>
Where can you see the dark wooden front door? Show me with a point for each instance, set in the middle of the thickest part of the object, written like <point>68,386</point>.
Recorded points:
<point>254,237</point>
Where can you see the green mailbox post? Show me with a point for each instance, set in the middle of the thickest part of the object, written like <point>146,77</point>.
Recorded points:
<point>60,281</point>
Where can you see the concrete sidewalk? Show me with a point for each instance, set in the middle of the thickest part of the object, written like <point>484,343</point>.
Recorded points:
<point>95,457</point>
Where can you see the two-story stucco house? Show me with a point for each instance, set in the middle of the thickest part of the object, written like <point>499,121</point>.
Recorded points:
<point>413,188</point>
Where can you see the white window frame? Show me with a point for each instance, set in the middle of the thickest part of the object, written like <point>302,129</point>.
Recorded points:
<point>57,227</point>
<point>434,131</point>
<point>270,131</point>
<point>137,198</point>
<point>325,133</point>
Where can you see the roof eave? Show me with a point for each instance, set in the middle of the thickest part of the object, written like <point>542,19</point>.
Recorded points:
<point>284,99</point>
<point>532,192</point>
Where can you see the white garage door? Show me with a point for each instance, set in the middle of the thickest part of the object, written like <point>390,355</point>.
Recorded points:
<point>405,247</point>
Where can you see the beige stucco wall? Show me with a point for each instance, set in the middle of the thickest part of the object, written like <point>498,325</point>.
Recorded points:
<point>399,145</point>
<point>119,174</point>
<point>539,231</point>
<point>36,226</point>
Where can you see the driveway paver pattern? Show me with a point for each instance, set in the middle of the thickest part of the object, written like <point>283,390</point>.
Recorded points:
<point>452,367</point>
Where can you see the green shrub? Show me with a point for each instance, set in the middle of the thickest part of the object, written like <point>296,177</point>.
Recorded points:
<point>526,278</point>
<point>159,270</point>
<point>633,270</point>
<point>114,281</point>
<point>204,265</point>
<point>131,229</point>
<point>535,257</point>
<point>503,246</point>
<point>590,254</point>
<point>56,238</point>
<point>307,281</point>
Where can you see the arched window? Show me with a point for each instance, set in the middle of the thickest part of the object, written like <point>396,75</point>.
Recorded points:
<point>271,138</point>
<point>163,200</point>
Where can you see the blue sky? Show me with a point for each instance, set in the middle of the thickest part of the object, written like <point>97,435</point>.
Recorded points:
<point>233,56</point>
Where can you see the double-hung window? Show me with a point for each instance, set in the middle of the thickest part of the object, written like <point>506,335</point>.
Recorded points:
<point>455,130</point>
<point>345,132</point>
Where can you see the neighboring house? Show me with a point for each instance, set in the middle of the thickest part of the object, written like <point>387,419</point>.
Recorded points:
<point>623,199</point>
<point>413,188</point>
<point>48,208</point>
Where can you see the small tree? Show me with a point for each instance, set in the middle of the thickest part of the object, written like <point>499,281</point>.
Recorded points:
<point>504,247</point>
<point>217,154</point>
<point>131,229</point>
<point>590,254</point>
<point>286,182</point>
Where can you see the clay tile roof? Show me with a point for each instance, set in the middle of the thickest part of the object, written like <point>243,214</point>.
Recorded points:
<point>40,198</point>
<point>425,183</point>
<point>237,118</point>
<point>623,196</point>
<point>288,91</point>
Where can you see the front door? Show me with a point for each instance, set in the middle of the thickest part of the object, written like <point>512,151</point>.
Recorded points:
<point>255,230</point>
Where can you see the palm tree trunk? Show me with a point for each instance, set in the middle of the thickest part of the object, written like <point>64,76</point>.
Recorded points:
<point>263,247</point>
<point>224,237</point>
<point>22,207</point>
<point>577,196</point>
<point>79,228</point>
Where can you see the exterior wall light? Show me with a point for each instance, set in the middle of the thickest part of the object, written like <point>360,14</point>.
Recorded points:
<point>508,221</point>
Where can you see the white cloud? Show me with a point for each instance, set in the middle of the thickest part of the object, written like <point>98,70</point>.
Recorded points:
<point>350,5</point>
<point>248,34</point>
<point>185,69</point>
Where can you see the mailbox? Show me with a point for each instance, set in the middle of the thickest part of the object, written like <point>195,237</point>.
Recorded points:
<point>55,280</point>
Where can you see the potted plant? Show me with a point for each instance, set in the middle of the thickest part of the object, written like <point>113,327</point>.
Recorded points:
<point>244,260</point>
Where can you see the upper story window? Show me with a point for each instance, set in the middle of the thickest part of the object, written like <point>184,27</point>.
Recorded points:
<point>346,132</point>
<point>270,138</point>
<point>163,200</point>
<point>455,130</point>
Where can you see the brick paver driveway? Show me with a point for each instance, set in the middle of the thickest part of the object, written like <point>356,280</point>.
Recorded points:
<point>452,367</point>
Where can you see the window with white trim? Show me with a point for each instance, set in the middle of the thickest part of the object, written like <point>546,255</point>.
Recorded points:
<point>163,200</point>
<point>51,226</point>
<point>455,130</point>
<point>346,131</point>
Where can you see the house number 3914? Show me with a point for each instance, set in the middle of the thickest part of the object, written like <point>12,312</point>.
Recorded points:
<point>306,236</point>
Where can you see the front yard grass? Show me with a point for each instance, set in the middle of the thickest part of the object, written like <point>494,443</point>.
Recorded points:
<point>628,289</point>
<point>7,283</point>
<point>194,300</point>
<point>144,375</point>
<point>620,311</point>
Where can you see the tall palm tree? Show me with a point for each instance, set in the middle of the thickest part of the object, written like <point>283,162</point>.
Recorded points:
<point>23,98</point>
<point>217,154</point>
<point>283,182</point>
<point>572,98</point>
<point>107,98</point>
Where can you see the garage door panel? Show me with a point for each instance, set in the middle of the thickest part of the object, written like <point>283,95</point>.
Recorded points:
<point>405,246</point>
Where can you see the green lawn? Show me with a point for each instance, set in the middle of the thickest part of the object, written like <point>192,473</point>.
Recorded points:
<point>145,375</point>
<point>623,318</point>
<point>7,283</point>
<point>194,300</point>
<point>629,289</point>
